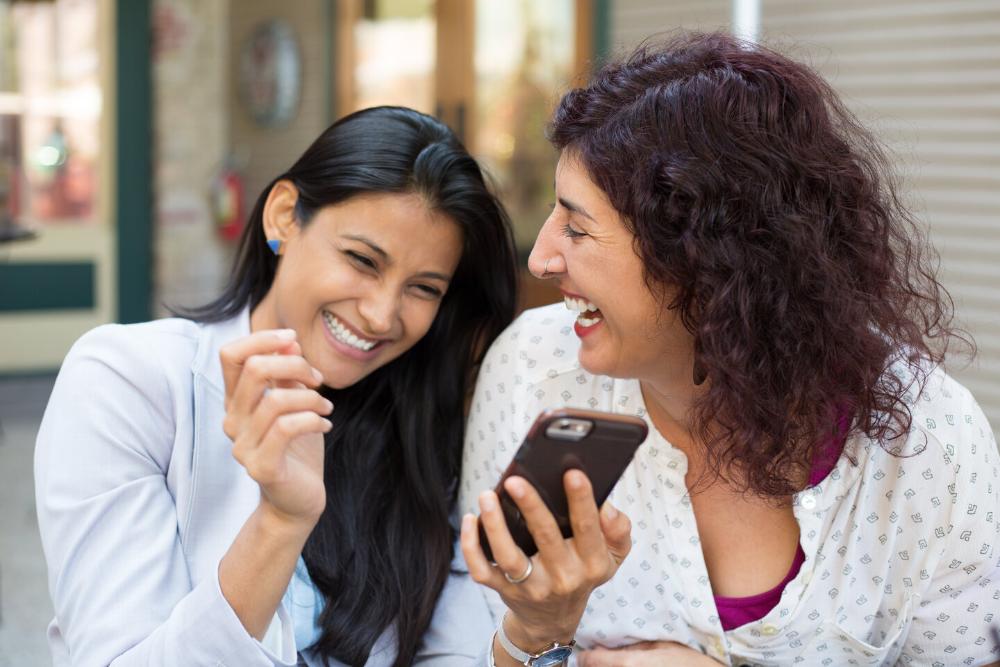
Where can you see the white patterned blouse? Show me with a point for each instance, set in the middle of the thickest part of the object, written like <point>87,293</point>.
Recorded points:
<point>901,551</point>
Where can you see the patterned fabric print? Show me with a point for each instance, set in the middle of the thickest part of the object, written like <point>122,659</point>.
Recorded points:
<point>901,552</point>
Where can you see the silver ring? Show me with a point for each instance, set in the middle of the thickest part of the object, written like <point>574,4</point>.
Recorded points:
<point>525,575</point>
<point>545,269</point>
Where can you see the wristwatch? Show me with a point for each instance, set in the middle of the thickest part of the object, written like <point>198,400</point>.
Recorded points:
<point>552,655</point>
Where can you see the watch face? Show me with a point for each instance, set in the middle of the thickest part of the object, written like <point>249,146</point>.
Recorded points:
<point>553,657</point>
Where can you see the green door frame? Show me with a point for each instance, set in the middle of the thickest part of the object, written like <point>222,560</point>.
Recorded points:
<point>133,159</point>
<point>602,31</point>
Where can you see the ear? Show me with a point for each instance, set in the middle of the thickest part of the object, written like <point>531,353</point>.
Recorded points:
<point>280,222</point>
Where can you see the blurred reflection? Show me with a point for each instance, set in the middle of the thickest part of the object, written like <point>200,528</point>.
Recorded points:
<point>50,106</point>
<point>395,46</point>
<point>524,60</point>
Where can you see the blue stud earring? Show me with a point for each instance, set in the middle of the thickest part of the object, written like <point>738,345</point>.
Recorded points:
<point>274,245</point>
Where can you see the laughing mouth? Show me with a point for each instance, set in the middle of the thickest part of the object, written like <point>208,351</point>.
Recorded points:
<point>346,335</point>
<point>587,313</point>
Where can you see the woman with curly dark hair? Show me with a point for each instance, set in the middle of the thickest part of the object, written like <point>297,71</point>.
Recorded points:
<point>741,273</point>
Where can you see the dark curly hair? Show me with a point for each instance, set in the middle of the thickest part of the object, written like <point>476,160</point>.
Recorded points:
<point>768,217</point>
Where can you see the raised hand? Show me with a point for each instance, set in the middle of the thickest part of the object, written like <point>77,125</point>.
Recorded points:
<point>547,605</point>
<point>276,420</point>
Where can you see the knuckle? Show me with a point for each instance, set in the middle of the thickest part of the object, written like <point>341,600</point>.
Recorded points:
<point>585,524</point>
<point>226,354</point>
<point>252,468</point>
<point>260,469</point>
<point>285,425</point>
<point>596,571</point>
<point>229,426</point>
<point>255,366</point>
<point>273,401</point>
<point>543,593</point>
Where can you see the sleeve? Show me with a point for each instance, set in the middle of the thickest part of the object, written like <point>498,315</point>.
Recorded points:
<point>118,578</point>
<point>462,628</point>
<point>957,618</point>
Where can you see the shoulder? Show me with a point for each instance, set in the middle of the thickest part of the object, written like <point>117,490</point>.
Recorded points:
<point>135,350</point>
<point>538,344</point>
<point>120,390</point>
<point>150,359</point>
<point>947,472</point>
<point>947,418</point>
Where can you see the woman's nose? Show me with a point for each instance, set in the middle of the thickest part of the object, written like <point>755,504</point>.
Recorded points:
<point>545,259</point>
<point>380,309</point>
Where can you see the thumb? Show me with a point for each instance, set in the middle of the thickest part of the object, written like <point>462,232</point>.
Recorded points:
<point>617,531</point>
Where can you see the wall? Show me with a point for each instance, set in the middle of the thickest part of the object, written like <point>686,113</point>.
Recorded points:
<point>925,75</point>
<point>191,125</point>
<point>267,152</point>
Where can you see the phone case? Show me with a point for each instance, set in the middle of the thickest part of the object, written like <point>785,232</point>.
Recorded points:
<point>551,447</point>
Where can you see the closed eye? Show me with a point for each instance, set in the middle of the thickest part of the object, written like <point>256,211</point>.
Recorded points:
<point>572,233</point>
<point>430,291</point>
<point>362,260</point>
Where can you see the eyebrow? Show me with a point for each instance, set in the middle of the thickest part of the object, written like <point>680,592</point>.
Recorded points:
<point>388,260</point>
<point>575,208</point>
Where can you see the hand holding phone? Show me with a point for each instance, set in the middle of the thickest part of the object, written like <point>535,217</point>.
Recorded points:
<point>601,444</point>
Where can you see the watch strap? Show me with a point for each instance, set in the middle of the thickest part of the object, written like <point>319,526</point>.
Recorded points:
<point>523,656</point>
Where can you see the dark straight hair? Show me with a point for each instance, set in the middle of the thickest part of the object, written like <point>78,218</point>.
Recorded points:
<point>381,552</point>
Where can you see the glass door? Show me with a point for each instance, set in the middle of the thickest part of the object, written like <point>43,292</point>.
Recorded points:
<point>491,69</point>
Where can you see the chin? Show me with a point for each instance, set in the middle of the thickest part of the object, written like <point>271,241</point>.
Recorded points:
<point>338,377</point>
<point>606,367</point>
<point>593,366</point>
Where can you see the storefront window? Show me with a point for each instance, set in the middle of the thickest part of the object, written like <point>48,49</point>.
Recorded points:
<point>395,54</point>
<point>524,61</point>
<point>50,108</point>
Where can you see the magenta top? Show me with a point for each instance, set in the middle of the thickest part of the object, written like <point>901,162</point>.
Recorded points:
<point>734,612</point>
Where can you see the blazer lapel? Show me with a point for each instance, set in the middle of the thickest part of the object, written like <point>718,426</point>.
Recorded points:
<point>223,496</point>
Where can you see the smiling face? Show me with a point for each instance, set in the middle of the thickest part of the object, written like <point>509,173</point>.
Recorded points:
<point>584,245</point>
<point>360,283</point>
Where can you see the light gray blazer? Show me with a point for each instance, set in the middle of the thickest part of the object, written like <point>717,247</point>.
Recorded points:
<point>139,497</point>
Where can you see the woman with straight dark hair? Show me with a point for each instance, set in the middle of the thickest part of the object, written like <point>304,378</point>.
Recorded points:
<point>739,271</point>
<point>200,505</point>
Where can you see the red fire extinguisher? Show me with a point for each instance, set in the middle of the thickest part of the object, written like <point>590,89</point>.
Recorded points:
<point>227,203</point>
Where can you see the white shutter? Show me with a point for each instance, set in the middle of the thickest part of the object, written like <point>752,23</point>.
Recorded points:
<point>925,76</point>
<point>632,21</point>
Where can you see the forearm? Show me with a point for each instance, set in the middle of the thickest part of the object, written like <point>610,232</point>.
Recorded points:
<point>255,571</point>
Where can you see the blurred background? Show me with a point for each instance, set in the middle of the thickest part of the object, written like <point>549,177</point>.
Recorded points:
<point>136,134</point>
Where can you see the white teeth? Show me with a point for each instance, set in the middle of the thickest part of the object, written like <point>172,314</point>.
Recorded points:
<point>583,308</point>
<point>578,305</point>
<point>346,336</point>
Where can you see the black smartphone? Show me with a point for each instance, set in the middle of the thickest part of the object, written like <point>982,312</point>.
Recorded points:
<point>601,444</point>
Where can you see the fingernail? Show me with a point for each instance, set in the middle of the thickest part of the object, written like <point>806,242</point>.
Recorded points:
<point>285,334</point>
<point>327,426</point>
<point>317,375</point>
<point>486,502</point>
<point>609,511</point>
<point>574,478</point>
<point>329,407</point>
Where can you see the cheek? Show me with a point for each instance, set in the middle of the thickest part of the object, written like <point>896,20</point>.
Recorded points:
<point>417,320</point>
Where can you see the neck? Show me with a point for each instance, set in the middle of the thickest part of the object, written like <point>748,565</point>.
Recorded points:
<point>262,317</point>
<point>669,409</point>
